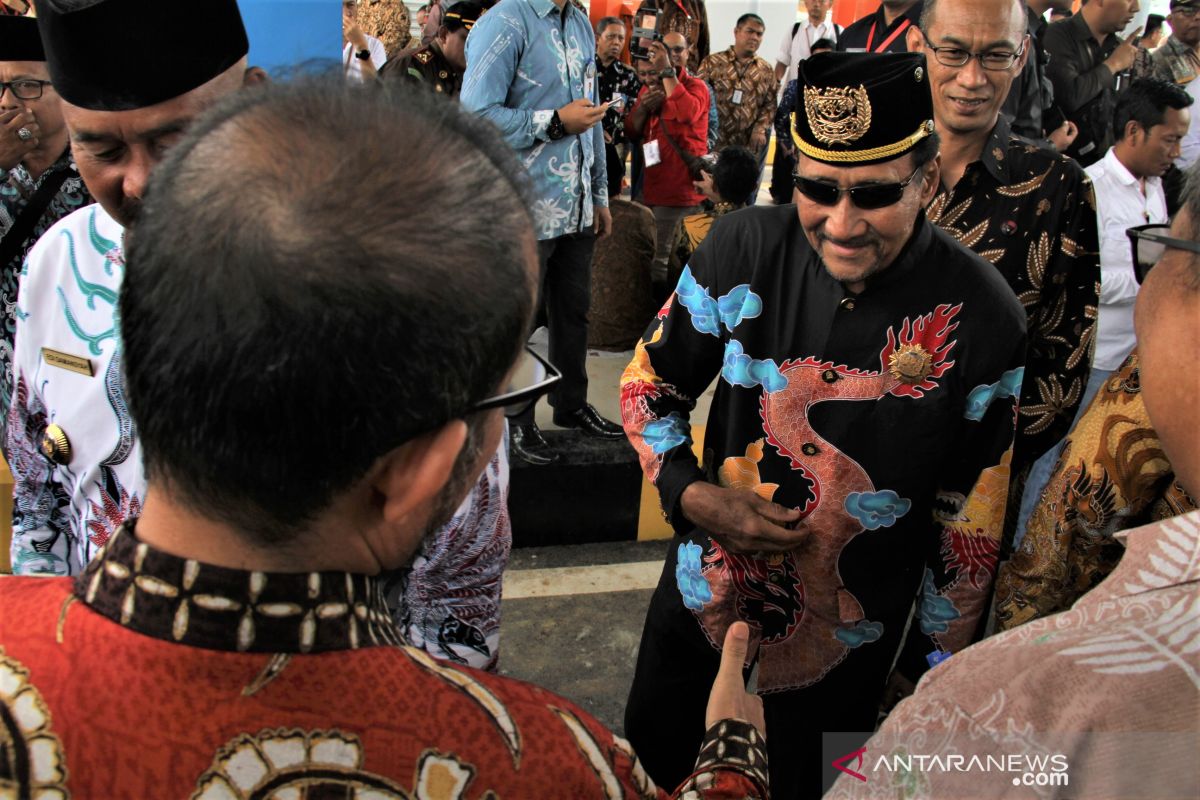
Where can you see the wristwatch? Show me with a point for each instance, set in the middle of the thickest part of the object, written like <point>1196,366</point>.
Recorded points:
<point>555,130</point>
<point>669,72</point>
<point>363,54</point>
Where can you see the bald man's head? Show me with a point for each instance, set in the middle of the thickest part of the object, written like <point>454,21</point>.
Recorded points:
<point>677,50</point>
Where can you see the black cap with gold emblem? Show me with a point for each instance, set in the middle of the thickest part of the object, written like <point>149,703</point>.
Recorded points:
<point>463,14</point>
<point>117,55</point>
<point>862,108</point>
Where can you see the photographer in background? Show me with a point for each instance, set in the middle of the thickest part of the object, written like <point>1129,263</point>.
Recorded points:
<point>670,123</point>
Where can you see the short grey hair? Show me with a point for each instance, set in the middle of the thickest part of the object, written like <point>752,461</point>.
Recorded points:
<point>604,22</point>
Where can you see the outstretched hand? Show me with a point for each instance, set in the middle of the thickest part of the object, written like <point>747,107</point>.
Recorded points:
<point>729,698</point>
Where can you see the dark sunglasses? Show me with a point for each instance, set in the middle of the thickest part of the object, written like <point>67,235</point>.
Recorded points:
<point>875,195</point>
<point>1149,242</point>
<point>533,377</point>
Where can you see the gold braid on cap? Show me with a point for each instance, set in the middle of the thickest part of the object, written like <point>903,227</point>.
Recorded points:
<point>852,156</point>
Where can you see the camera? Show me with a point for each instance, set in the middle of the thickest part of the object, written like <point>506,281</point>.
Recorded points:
<point>645,31</point>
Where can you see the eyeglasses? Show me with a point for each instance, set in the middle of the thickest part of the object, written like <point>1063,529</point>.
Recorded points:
<point>676,50</point>
<point>1149,242</point>
<point>533,377</point>
<point>995,60</point>
<point>24,88</point>
<point>1186,13</point>
<point>874,195</point>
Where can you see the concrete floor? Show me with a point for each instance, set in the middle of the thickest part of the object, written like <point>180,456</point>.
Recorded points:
<point>582,646</point>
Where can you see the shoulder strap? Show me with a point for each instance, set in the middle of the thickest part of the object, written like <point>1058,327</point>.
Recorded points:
<point>23,225</point>
<point>795,29</point>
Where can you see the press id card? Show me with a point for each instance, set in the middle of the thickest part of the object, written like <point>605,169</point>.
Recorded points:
<point>651,154</point>
<point>737,97</point>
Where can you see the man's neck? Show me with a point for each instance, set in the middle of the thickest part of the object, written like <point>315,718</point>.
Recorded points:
<point>961,150</point>
<point>1126,159</point>
<point>1091,13</point>
<point>559,3</point>
<point>606,61</point>
<point>891,14</point>
<point>174,528</point>
<point>743,56</point>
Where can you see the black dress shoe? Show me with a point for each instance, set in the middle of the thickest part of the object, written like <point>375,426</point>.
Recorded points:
<point>526,443</point>
<point>587,420</point>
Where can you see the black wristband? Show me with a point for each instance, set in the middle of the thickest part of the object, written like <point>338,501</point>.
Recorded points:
<point>555,130</point>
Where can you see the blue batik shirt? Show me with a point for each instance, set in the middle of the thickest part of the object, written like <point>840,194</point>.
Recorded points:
<point>525,60</point>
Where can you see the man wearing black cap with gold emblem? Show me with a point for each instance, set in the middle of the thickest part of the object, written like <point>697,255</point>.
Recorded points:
<point>440,64</point>
<point>856,450</point>
<point>39,183</point>
<point>75,459</point>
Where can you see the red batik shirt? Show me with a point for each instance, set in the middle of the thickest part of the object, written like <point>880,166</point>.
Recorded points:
<point>155,676</point>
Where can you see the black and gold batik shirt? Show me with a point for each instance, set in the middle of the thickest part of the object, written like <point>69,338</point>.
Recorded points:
<point>1032,214</point>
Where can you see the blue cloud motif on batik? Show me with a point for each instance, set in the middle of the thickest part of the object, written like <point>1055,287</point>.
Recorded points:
<point>984,395</point>
<point>740,369</point>
<point>875,510</point>
<point>663,434</point>
<point>936,612</point>
<point>863,632</point>
<point>738,305</point>
<point>699,303</point>
<point>693,586</point>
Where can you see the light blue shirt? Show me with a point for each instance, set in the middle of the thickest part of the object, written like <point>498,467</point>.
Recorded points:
<point>525,60</point>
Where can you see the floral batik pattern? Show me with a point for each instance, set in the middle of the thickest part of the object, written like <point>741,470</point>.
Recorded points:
<point>1032,214</point>
<point>1111,476</point>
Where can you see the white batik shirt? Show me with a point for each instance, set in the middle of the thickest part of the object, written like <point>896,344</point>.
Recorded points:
<point>67,373</point>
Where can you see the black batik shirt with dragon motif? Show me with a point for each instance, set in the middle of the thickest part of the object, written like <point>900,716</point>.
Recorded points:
<point>860,410</point>
<point>1032,214</point>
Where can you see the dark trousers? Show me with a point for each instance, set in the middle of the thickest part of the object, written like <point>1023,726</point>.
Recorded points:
<point>676,665</point>
<point>564,297</point>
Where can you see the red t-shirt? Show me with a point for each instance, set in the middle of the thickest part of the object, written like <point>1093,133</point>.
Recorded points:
<point>685,115</point>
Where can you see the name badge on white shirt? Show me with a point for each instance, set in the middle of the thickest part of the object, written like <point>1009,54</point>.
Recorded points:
<point>737,97</point>
<point>651,154</point>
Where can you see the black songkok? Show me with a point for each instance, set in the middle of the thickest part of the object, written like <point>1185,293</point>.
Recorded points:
<point>862,108</point>
<point>19,40</point>
<point>117,55</point>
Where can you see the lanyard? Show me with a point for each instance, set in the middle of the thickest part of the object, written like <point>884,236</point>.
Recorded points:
<point>686,15</point>
<point>884,45</point>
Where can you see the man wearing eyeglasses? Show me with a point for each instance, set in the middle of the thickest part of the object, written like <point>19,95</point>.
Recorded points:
<point>75,457</point>
<point>313,400</point>
<point>856,451</point>
<point>1178,59</point>
<point>1027,210</point>
<point>39,182</point>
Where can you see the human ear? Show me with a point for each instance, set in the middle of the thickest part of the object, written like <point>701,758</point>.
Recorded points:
<point>410,477</point>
